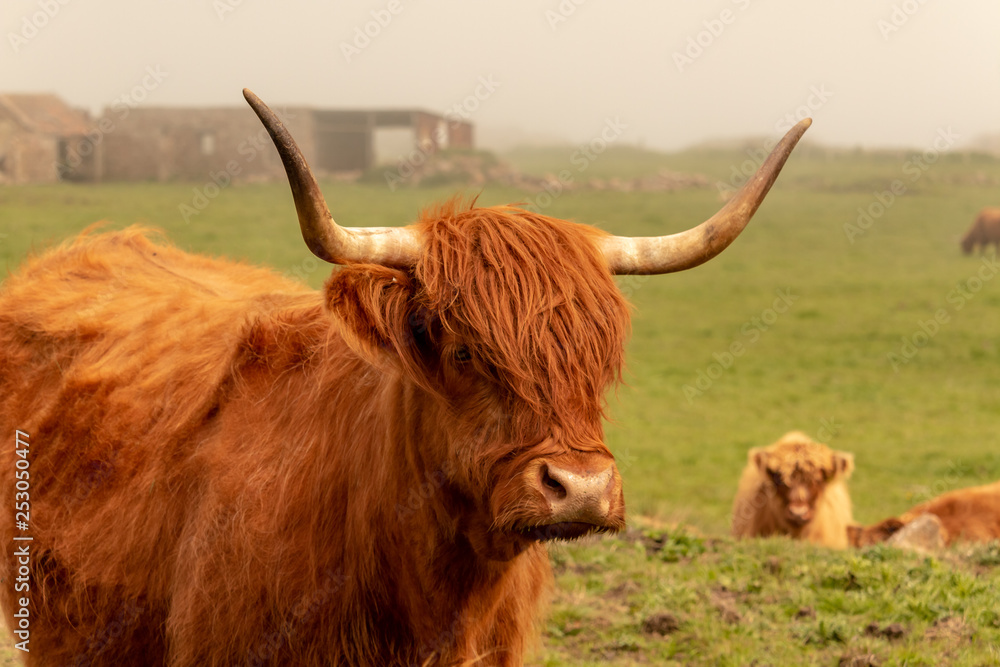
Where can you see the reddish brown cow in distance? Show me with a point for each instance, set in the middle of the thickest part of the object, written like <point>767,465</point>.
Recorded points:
<point>228,468</point>
<point>984,231</point>
<point>972,515</point>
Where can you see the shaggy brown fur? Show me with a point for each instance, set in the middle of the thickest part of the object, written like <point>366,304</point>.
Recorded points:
<point>229,468</point>
<point>795,487</point>
<point>972,515</point>
<point>984,231</point>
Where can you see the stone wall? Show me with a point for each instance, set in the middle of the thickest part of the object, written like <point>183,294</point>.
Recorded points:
<point>28,158</point>
<point>162,144</point>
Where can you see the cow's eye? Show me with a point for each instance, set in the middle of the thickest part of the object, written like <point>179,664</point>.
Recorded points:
<point>776,479</point>
<point>461,354</point>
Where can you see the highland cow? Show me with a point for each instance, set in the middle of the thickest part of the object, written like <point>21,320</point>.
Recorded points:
<point>795,487</point>
<point>228,468</point>
<point>983,232</point>
<point>970,515</point>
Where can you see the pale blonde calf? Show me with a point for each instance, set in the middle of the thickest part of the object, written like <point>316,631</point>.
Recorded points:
<point>795,487</point>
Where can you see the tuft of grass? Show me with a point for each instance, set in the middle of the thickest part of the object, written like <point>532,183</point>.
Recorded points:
<point>674,545</point>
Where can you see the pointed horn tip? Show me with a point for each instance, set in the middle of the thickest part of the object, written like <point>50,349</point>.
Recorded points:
<point>740,208</point>
<point>800,128</point>
<point>252,98</point>
<point>782,150</point>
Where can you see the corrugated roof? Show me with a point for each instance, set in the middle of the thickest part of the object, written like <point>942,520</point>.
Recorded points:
<point>46,114</point>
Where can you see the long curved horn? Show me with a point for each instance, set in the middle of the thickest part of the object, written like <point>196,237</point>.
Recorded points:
<point>389,246</point>
<point>685,250</point>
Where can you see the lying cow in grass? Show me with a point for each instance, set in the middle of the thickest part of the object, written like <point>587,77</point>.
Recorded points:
<point>972,515</point>
<point>795,487</point>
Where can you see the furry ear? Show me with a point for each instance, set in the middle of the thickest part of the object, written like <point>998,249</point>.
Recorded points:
<point>891,526</point>
<point>843,464</point>
<point>377,306</point>
<point>758,457</point>
<point>861,536</point>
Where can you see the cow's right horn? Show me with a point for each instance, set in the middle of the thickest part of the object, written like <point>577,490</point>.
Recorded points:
<point>387,246</point>
<point>685,250</point>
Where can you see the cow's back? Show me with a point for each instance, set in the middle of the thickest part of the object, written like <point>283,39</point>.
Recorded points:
<point>989,219</point>
<point>986,228</point>
<point>115,355</point>
<point>131,327</point>
<point>119,305</point>
<point>971,514</point>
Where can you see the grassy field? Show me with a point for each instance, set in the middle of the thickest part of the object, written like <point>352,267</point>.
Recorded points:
<point>887,347</point>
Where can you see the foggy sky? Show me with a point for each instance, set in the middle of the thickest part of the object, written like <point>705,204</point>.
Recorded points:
<point>670,74</point>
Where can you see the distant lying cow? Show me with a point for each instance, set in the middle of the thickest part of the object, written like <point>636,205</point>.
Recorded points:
<point>971,515</point>
<point>984,231</point>
<point>795,487</point>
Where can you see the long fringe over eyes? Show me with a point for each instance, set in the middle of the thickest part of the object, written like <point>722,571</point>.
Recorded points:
<point>539,305</point>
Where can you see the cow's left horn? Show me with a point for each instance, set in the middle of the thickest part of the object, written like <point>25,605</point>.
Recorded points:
<point>685,250</point>
<point>388,246</point>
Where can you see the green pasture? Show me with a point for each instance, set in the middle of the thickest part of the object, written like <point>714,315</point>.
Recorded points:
<point>876,336</point>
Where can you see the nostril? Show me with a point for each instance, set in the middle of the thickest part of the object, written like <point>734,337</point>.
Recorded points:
<point>551,485</point>
<point>578,495</point>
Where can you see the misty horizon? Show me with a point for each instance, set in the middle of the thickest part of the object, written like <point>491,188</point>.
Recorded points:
<point>894,74</point>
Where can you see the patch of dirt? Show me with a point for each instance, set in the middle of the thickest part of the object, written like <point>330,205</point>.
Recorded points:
<point>725,602</point>
<point>891,631</point>
<point>773,565</point>
<point>661,624</point>
<point>952,629</point>
<point>622,591</point>
<point>859,660</point>
<point>805,612</point>
<point>610,652</point>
